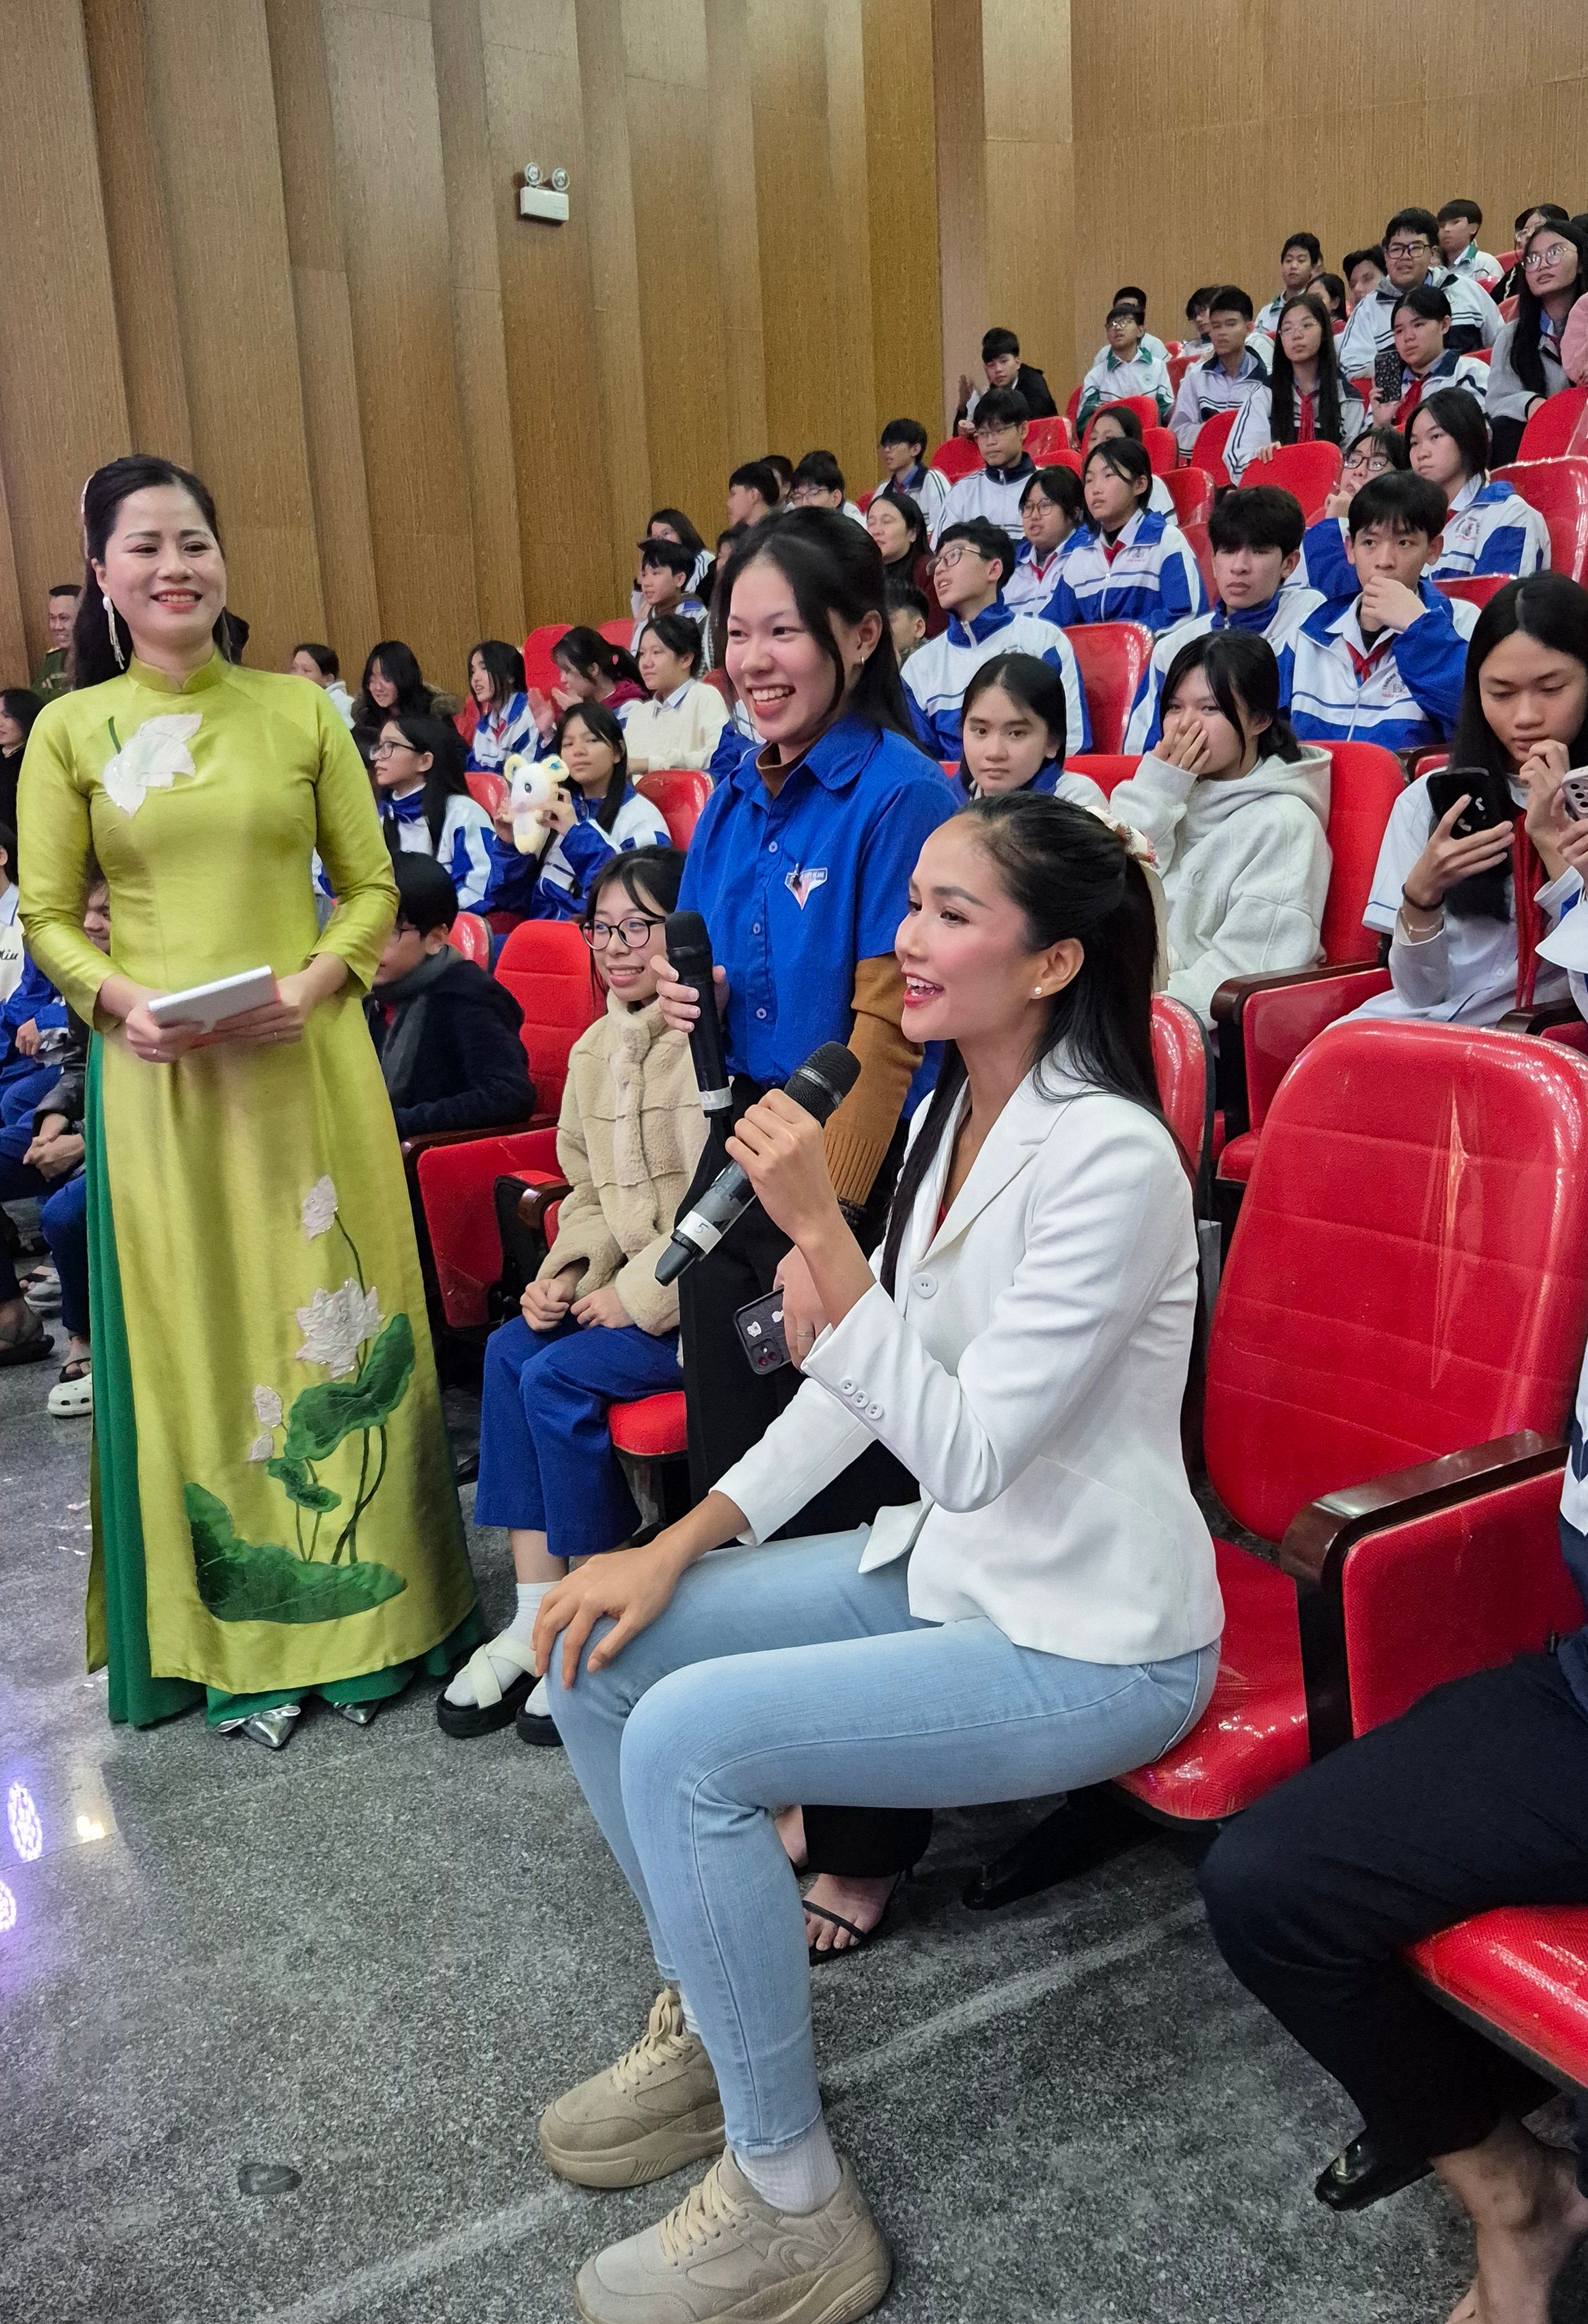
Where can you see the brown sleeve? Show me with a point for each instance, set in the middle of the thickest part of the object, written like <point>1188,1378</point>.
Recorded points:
<point>862,1131</point>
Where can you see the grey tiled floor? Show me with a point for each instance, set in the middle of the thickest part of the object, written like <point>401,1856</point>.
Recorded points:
<point>374,1957</point>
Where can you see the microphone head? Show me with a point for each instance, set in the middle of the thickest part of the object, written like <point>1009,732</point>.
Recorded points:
<point>688,938</point>
<point>824,1080</point>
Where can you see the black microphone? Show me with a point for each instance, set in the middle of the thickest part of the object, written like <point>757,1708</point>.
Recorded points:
<point>821,1085</point>
<point>689,949</point>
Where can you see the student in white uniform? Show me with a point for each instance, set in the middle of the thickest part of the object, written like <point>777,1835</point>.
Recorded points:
<point>903,447</point>
<point>1116,422</point>
<point>1525,368</point>
<point>818,483</point>
<point>1490,528</point>
<point>1363,269</point>
<point>1422,362</point>
<point>1411,256</point>
<point>680,724</point>
<point>993,490</point>
<point>1304,399</point>
<point>665,585</point>
<point>421,788</point>
<point>1052,512</point>
<point>1226,380</point>
<point>1131,294</point>
<point>1459,223</point>
<point>1461,951</point>
<point>1126,370</point>
<point>1300,259</point>
<point>318,664</point>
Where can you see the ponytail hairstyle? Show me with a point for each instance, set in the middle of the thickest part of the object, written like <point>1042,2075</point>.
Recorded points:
<point>1036,686</point>
<point>446,777</point>
<point>679,635</point>
<point>1282,378</point>
<point>835,569</point>
<point>1244,678</point>
<point>93,657</point>
<point>602,725</point>
<point>1071,874</point>
<point>589,655</point>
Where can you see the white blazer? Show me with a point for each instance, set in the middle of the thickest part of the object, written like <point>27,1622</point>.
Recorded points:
<point>1028,1371</point>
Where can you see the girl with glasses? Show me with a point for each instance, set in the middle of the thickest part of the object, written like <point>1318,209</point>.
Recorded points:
<point>422,787</point>
<point>595,1328</point>
<point>597,815</point>
<point>1525,368</point>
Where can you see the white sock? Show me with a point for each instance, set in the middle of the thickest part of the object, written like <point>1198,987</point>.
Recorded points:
<point>538,1703</point>
<point>691,2025</point>
<point>520,1629</point>
<point>799,2177</point>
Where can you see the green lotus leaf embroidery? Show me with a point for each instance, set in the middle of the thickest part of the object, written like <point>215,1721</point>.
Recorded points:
<point>330,1410</point>
<point>301,1487</point>
<point>249,1582</point>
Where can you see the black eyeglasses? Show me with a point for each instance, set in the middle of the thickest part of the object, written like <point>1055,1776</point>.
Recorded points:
<point>635,931</point>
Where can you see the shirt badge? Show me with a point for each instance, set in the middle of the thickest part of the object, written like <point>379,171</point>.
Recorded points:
<point>802,885</point>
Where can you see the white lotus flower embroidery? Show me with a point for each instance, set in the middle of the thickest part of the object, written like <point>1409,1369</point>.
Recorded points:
<point>333,1325</point>
<point>267,1407</point>
<point>155,755</point>
<point>262,1448</point>
<point>319,1208</point>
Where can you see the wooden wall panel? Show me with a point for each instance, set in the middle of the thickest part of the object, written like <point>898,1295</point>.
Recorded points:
<point>1030,185</point>
<point>62,401</point>
<point>907,314</point>
<point>738,245</point>
<point>960,141</point>
<point>803,246</point>
<point>852,430</point>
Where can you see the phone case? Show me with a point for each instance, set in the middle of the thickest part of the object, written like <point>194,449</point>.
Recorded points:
<point>1491,802</point>
<point>760,1326</point>
<point>1574,798</point>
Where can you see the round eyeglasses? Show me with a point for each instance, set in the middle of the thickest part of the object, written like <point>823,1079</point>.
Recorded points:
<point>635,931</point>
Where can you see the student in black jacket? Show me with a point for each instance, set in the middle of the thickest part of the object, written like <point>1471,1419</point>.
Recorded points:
<point>1001,360</point>
<point>447,1034</point>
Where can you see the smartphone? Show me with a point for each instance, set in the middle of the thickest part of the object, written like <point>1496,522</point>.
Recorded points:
<point>760,1326</point>
<point>1490,794</point>
<point>1574,798</point>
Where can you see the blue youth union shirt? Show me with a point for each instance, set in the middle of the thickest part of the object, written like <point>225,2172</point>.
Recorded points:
<point>796,889</point>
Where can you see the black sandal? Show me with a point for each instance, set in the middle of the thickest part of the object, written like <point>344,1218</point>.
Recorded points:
<point>860,1938</point>
<point>464,1721</point>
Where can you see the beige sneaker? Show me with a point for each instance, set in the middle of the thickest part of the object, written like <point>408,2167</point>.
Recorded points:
<point>655,2110</point>
<point>724,2254</point>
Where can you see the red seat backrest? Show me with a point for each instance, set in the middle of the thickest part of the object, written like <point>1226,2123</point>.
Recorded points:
<point>1145,407</point>
<point>469,936</point>
<point>466,719</point>
<point>1191,491</point>
<point>1195,533</point>
<point>1073,406</point>
<point>866,500</point>
<point>1047,438</point>
<point>1310,471</point>
<point>1507,309</point>
<point>545,965</point>
<point>1410,1274</point>
<point>486,789</point>
<point>1106,768</point>
<point>1209,449</point>
<point>539,671</point>
<point>1365,783</point>
<point>1477,588</point>
<point>619,632</point>
<point>1178,366</point>
<point>1558,490</point>
<point>1182,1056</point>
<point>956,459</point>
<point>1549,432</point>
<point>1162,449</point>
<point>1112,657</point>
<point>679,794</point>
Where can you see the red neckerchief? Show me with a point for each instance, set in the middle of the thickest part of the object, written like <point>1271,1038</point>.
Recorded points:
<point>1306,426</point>
<point>1364,664</point>
<point>1528,876</point>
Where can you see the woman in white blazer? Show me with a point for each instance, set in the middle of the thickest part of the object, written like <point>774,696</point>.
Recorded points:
<point>1045,1616</point>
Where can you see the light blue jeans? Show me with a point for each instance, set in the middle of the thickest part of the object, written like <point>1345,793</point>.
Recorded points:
<point>784,1673</point>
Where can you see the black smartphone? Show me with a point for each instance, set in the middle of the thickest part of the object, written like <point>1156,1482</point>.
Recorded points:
<point>1491,802</point>
<point>760,1326</point>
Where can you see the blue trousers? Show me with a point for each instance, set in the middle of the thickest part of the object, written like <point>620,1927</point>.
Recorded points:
<point>546,1459</point>
<point>785,1673</point>
<point>65,1220</point>
<point>24,1086</point>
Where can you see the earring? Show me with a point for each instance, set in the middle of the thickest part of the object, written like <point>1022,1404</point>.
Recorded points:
<point>121,659</point>
<point>1036,992</point>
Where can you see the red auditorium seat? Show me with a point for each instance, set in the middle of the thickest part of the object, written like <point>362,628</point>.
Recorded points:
<point>541,672</point>
<point>1178,366</point>
<point>1209,449</point>
<point>1111,657</point>
<point>680,795</point>
<point>1477,588</point>
<point>1310,471</point>
<point>1195,533</point>
<point>1266,1021</point>
<point>455,1185</point>
<point>1073,407</point>
<point>1163,450</point>
<point>1106,768</point>
<point>1145,407</point>
<point>1393,1355</point>
<point>1556,427</point>
<point>469,936</point>
<point>1521,1974</point>
<point>1558,490</point>
<point>1045,437</point>
<point>956,459</point>
<point>545,965</point>
<point>485,789</point>
<point>619,632</point>
<point>1191,491</point>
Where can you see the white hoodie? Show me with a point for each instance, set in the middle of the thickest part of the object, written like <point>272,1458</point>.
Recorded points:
<point>1244,865</point>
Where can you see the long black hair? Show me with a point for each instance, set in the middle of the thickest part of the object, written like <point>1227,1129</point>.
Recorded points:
<point>835,569</point>
<point>919,543</point>
<point>1524,358</point>
<point>502,664</point>
<point>399,667</point>
<point>587,652</point>
<point>1072,876</point>
<point>676,521</point>
<point>93,657</point>
<point>1240,668</point>
<point>603,725</point>
<point>1036,686</point>
<point>679,635</point>
<point>446,777</point>
<point>1282,377</point>
<point>21,703</point>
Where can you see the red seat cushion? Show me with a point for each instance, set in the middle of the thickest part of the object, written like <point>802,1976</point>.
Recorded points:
<point>1236,1158</point>
<point>1253,1733</point>
<point>1524,1970</point>
<point>652,1428</point>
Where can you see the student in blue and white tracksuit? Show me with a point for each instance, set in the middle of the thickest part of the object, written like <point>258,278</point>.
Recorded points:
<point>1053,516</point>
<point>1130,565</point>
<point>1300,262</point>
<point>507,723</point>
<point>903,447</point>
<point>1411,254</point>
<point>1385,665</point>
<point>1014,734</point>
<point>599,815</point>
<point>969,576</point>
<point>994,489</point>
<point>1255,537</point>
<point>1226,379</point>
<point>1489,528</point>
<point>422,789</point>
